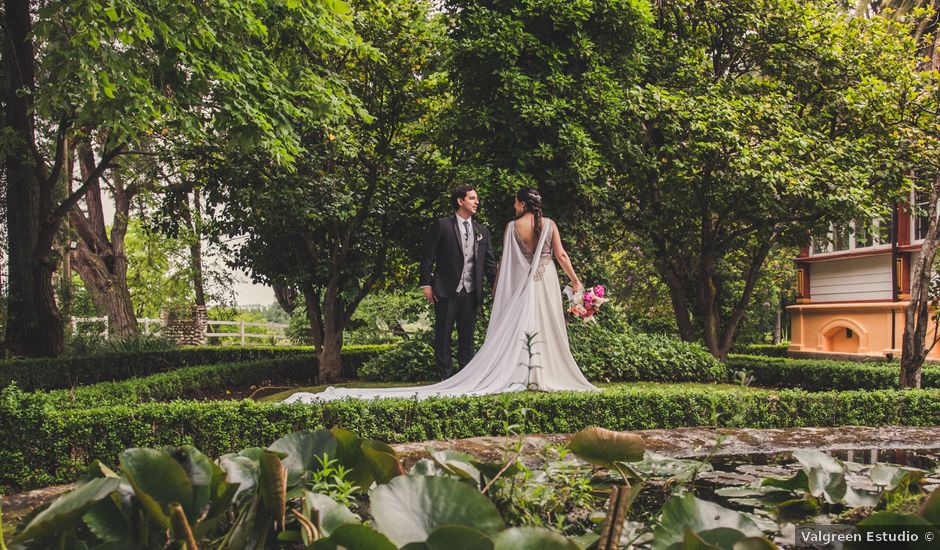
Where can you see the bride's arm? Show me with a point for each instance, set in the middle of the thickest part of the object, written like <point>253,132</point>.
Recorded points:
<point>564,260</point>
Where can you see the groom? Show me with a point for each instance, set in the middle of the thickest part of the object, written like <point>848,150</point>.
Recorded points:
<point>457,252</point>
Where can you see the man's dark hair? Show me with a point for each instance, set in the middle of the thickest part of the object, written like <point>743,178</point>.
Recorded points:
<point>460,192</point>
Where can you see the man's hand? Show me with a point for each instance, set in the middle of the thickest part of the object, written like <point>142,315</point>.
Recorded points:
<point>429,295</point>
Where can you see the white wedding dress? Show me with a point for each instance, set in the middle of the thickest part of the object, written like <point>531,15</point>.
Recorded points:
<point>528,301</point>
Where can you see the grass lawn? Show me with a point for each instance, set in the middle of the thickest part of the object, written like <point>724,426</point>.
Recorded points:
<point>274,397</point>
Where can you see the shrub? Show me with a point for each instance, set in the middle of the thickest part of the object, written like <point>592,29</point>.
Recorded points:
<point>822,375</point>
<point>67,372</point>
<point>43,445</point>
<point>767,350</point>
<point>58,373</point>
<point>602,354</point>
<point>410,361</point>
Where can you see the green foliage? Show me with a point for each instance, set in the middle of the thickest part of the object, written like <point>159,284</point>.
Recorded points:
<point>239,501</point>
<point>766,350</point>
<point>44,446</point>
<point>158,270</point>
<point>325,225</point>
<point>32,374</point>
<point>822,375</point>
<point>602,354</point>
<point>409,361</point>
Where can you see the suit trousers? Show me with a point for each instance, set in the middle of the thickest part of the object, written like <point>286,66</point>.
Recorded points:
<point>461,310</point>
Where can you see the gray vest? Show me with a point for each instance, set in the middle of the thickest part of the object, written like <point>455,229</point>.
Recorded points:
<point>468,241</point>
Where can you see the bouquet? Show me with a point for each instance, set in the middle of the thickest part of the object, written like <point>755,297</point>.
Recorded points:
<point>586,304</point>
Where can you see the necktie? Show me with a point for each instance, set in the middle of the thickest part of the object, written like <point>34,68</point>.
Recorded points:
<point>466,230</point>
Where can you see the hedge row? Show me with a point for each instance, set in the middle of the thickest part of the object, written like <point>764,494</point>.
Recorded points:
<point>49,374</point>
<point>189,383</point>
<point>603,355</point>
<point>822,375</point>
<point>767,350</point>
<point>44,446</point>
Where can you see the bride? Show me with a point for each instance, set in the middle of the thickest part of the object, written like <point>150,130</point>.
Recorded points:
<point>527,303</point>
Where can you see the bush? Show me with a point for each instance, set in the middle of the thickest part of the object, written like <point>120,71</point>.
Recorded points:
<point>602,354</point>
<point>67,372</point>
<point>410,361</point>
<point>822,375</point>
<point>188,383</point>
<point>767,350</point>
<point>43,446</point>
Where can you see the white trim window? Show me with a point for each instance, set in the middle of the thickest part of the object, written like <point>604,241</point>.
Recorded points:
<point>855,235</point>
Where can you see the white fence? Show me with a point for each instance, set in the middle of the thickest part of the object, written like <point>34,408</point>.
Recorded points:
<point>275,330</point>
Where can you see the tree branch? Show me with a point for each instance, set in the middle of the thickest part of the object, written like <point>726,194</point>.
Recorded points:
<point>77,195</point>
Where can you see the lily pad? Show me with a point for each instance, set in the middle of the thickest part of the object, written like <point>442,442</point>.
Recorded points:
<point>604,447</point>
<point>303,450</point>
<point>532,538</point>
<point>410,508</point>
<point>458,537</point>
<point>332,515</point>
<point>682,511</point>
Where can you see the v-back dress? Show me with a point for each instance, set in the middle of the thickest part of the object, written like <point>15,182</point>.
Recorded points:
<point>528,301</point>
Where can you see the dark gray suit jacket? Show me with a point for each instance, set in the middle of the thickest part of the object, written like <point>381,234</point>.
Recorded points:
<point>442,259</point>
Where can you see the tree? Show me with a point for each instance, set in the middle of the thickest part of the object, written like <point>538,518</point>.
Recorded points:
<point>111,75</point>
<point>741,126</point>
<point>362,189</point>
<point>919,147</point>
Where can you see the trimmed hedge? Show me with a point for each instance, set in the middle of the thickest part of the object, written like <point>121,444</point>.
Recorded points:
<point>44,446</point>
<point>49,374</point>
<point>602,354</point>
<point>202,381</point>
<point>188,383</point>
<point>767,350</point>
<point>822,375</point>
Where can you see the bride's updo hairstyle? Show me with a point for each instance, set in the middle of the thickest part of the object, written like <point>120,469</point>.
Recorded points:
<point>533,203</point>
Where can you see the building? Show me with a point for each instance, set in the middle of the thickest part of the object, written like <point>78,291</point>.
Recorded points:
<point>853,287</point>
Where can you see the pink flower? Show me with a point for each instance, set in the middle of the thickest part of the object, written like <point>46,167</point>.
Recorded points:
<point>588,298</point>
<point>599,290</point>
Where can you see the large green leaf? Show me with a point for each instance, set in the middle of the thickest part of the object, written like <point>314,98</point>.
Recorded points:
<point>68,508</point>
<point>890,476</point>
<point>532,538</point>
<point>458,464</point>
<point>657,465</point>
<point>687,511</point>
<point>303,450</point>
<point>158,480</point>
<point>604,447</point>
<point>106,521</point>
<point>198,469</point>
<point>410,508</point>
<point>360,537</point>
<point>331,514</point>
<point>382,465</point>
<point>930,510</point>
<point>458,537</point>
<point>241,470</point>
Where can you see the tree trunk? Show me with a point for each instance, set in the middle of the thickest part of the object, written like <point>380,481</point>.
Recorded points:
<point>778,324</point>
<point>914,347</point>
<point>193,219</point>
<point>326,331</point>
<point>100,258</point>
<point>34,326</point>
<point>109,295</point>
<point>678,299</point>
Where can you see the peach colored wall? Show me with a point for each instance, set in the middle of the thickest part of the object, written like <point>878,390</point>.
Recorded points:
<point>820,328</point>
